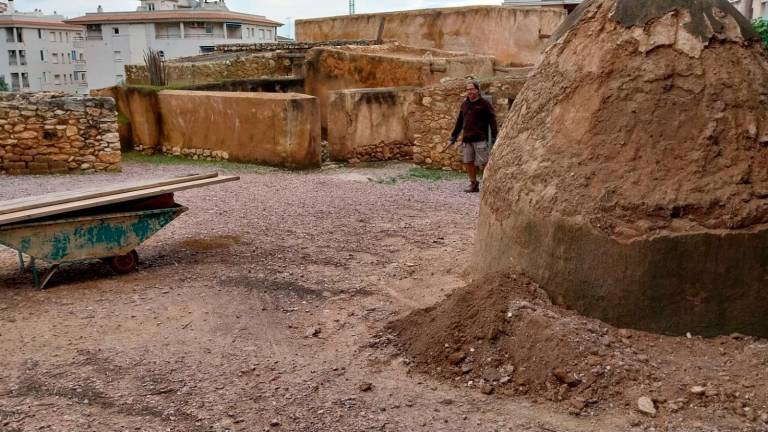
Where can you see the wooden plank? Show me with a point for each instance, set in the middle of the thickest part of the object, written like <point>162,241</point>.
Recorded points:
<point>36,213</point>
<point>29,203</point>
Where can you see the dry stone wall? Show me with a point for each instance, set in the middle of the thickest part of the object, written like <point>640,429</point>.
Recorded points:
<point>47,133</point>
<point>432,117</point>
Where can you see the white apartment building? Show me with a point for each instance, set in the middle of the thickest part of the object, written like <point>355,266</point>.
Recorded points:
<point>37,53</point>
<point>176,28</point>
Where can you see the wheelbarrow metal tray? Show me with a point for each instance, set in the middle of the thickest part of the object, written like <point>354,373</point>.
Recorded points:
<point>87,237</point>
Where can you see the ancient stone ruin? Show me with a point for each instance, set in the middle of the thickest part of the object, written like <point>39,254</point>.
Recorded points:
<point>631,178</point>
<point>48,133</point>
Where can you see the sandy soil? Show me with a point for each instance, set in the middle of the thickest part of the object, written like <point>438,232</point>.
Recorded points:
<point>262,308</point>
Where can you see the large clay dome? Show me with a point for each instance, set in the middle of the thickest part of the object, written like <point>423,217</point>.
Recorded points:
<point>631,178</point>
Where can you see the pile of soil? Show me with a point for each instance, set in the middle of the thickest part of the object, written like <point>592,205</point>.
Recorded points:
<point>643,117</point>
<point>502,335</point>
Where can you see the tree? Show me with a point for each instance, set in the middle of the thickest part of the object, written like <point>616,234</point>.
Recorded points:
<point>761,26</point>
<point>3,84</point>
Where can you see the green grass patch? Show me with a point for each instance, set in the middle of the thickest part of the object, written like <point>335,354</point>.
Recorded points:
<point>423,174</point>
<point>168,160</point>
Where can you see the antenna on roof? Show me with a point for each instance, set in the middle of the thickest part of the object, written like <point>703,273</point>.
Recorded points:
<point>351,7</point>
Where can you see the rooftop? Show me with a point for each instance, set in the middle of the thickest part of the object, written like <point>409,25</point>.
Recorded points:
<point>172,15</point>
<point>26,21</point>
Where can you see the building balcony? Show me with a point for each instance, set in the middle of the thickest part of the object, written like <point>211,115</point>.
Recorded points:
<point>168,36</point>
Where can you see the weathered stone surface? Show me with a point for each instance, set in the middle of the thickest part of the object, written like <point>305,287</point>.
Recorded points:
<point>273,128</point>
<point>631,178</point>
<point>370,124</point>
<point>513,35</point>
<point>47,132</point>
<point>391,65</point>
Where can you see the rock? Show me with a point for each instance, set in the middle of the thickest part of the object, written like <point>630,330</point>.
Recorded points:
<point>446,401</point>
<point>566,378</point>
<point>274,423</point>
<point>764,418</point>
<point>486,389</point>
<point>313,332</point>
<point>466,369</point>
<point>491,374</point>
<point>504,380</point>
<point>645,405</point>
<point>365,387</point>
<point>457,357</point>
<point>698,390</point>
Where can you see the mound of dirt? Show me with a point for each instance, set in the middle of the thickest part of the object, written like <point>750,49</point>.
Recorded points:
<point>643,117</point>
<point>631,176</point>
<point>501,335</point>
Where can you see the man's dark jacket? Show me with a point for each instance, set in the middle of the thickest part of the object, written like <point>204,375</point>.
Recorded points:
<point>474,119</point>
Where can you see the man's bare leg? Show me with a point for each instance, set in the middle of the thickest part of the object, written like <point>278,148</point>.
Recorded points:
<point>472,173</point>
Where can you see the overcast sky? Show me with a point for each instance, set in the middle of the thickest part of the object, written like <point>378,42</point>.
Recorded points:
<point>278,10</point>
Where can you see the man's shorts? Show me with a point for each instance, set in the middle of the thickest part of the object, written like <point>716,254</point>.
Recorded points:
<point>476,153</point>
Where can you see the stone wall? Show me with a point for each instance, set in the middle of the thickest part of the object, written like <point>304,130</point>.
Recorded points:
<point>281,129</point>
<point>370,124</point>
<point>392,65</point>
<point>141,112</point>
<point>515,36</point>
<point>433,114</point>
<point>214,68</point>
<point>48,133</point>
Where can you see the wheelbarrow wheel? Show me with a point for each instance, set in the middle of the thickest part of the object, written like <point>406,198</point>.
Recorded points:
<point>124,264</point>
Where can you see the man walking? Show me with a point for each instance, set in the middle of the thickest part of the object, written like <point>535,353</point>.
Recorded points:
<point>475,118</point>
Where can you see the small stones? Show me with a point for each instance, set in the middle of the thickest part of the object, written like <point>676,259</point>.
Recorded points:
<point>457,357</point>
<point>486,389</point>
<point>698,390</point>
<point>566,378</point>
<point>646,406</point>
<point>313,332</point>
<point>365,387</point>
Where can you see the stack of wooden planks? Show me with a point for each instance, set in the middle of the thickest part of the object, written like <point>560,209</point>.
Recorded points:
<point>37,207</point>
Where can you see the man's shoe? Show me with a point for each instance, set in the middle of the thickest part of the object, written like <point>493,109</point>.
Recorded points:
<point>474,187</point>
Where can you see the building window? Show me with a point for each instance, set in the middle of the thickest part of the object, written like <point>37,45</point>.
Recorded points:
<point>52,37</point>
<point>25,80</point>
<point>269,35</point>
<point>67,35</point>
<point>209,28</point>
<point>70,78</point>
<point>42,56</point>
<point>262,34</point>
<point>22,57</point>
<point>119,79</point>
<point>55,58</point>
<point>15,82</point>
<point>150,6</point>
<point>118,56</point>
<point>115,31</point>
<point>207,49</point>
<point>61,37</point>
<point>12,60</point>
<point>9,35</point>
<point>39,33</point>
<point>19,35</point>
<point>57,79</point>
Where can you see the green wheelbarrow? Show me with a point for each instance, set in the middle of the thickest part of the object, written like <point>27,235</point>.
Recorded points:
<point>110,237</point>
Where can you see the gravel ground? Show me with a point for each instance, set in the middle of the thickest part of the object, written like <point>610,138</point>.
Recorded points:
<point>262,308</point>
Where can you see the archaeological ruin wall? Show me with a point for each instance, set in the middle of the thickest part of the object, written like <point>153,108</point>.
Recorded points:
<point>48,133</point>
<point>370,124</point>
<point>280,129</point>
<point>515,36</point>
<point>390,65</point>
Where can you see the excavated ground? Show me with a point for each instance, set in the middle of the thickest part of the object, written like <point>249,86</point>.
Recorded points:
<point>266,307</point>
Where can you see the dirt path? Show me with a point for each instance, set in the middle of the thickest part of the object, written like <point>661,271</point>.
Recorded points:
<point>262,308</point>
